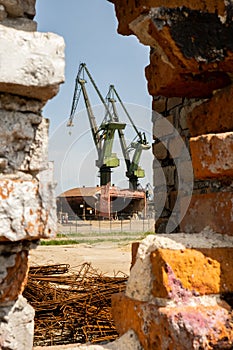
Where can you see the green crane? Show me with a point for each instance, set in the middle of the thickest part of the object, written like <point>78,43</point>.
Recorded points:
<point>103,135</point>
<point>134,171</point>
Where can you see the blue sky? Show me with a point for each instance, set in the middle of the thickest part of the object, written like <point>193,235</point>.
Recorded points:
<point>90,32</point>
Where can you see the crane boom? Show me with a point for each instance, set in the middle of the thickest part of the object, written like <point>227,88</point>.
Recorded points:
<point>94,127</point>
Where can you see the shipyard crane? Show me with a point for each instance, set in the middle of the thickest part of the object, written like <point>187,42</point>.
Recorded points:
<point>139,144</point>
<point>103,135</point>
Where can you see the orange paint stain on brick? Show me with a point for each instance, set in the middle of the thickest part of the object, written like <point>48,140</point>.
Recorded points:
<point>181,274</point>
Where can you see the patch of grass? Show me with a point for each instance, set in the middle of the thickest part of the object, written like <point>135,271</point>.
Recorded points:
<point>85,241</point>
<point>86,238</point>
<point>61,235</point>
<point>98,234</point>
<point>59,242</point>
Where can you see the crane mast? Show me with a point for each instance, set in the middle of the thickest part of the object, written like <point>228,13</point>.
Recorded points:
<point>134,171</point>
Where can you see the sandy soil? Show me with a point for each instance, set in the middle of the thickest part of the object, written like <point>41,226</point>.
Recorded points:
<point>108,258</point>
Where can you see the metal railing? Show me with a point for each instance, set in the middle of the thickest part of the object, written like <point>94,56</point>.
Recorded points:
<point>76,225</point>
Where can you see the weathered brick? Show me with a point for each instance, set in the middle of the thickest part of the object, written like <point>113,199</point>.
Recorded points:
<point>162,127</point>
<point>181,66</point>
<point>17,103</point>
<point>40,66</point>
<point>159,104</point>
<point>214,115</point>
<point>13,270</point>
<point>167,78</point>
<point>176,147</point>
<point>24,141</point>
<point>127,14</point>
<point>212,155</point>
<point>141,279</point>
<point>27,209</point>
<point>159,150</point>
<point>184,327</point>
<point>183,118</point>
<point>173,102</point>
<point>181,274</point>
<point>214,210</point>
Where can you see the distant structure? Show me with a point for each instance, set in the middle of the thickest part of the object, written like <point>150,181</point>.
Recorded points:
<point>85,203</point>
<point>103,136</point>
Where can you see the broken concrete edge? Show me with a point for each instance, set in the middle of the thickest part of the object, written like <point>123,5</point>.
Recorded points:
<point>27,206</point>
<point>31,131</point>
<point>128,341</point>
<point>16,103</point>
<point>14,266</point>
<point>17,325</point>
<point>39,70</point>
<point>141,279</point>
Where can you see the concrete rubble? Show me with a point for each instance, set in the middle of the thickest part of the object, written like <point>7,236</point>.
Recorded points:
<point>32,68</point>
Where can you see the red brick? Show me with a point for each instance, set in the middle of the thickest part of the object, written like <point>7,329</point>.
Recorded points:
<point>212,155</point>
<point>173,71</point>
<point>214,115</point>
<point>175,328</point>
<point>179,274</point>
<point>126,14</point>
<point>169,79</point>
<point>214,210</point>
<point>16,276</point>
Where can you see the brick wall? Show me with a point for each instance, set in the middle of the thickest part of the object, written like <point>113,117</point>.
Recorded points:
<point>176,296</point>
<point>189,78</point>
<point>32,67</point>
<point>179,297</point>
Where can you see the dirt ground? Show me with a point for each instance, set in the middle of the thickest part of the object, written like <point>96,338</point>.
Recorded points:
<point>108,258</point>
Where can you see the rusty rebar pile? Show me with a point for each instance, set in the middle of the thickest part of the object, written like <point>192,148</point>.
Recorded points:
<point>72,307</point>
